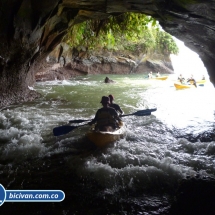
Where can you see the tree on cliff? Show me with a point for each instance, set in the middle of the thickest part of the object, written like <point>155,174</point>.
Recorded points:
<point>129,31</point>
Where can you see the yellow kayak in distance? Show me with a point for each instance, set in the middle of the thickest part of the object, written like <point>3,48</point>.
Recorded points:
<point>161,78</point>
<point>201,82</point>
<point>103,138</point>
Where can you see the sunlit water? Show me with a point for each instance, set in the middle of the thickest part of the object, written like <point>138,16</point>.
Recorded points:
<point>136,175</point>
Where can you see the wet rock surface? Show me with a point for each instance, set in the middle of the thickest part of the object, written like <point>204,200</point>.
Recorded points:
<point>195,196</point>
<point>206,136</point>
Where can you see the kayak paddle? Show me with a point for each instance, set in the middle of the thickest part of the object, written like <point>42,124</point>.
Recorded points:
<point>64,129</point>
<point>138,113</point>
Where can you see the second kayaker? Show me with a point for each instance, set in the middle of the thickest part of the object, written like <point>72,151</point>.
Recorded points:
<point>115,106</point>
<point>158,74</point>
<point>181,79</point>
<point>106,118</point>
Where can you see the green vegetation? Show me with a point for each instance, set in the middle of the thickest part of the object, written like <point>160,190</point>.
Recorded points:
<point>128,31</point>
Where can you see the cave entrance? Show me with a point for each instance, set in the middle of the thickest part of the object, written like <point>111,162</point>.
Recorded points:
<point>188,63</point>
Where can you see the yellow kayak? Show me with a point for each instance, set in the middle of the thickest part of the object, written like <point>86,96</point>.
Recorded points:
<point>103,138</point>
<point>183,86</point>
<point>201,82</point>
<point>161,78</point>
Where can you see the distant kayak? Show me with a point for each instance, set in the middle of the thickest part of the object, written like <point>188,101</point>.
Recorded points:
<point>103,138</point>
<point>201,82</point>
<point>183,86</point>
<point>160,78</point>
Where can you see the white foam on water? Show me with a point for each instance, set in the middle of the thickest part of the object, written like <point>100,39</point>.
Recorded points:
<point>139,172</point>
<point>146,159</point>
<point>23,147</point>
<point>20,136</point>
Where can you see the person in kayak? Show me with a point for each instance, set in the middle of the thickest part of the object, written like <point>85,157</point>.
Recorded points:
<point>106,118</point>
<point>181,78</point>
<point>150,75</point>
<point>191,80</point>
<point>108,80</point>
<point>115,106</point>
<point>158,74</point>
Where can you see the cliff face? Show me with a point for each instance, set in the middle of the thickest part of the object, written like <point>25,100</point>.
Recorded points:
<point>30,30</point>
<point>65,62</point>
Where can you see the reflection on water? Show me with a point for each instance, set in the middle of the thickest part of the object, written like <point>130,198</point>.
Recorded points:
<point>138,174</point>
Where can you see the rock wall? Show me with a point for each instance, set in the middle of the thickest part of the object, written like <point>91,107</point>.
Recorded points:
<point>64,63</point>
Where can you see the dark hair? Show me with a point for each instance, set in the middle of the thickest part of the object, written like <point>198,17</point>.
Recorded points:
<point>105,99</point>
<point>111,97</point>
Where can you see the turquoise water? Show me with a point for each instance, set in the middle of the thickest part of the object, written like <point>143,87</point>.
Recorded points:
<point>136,175</point>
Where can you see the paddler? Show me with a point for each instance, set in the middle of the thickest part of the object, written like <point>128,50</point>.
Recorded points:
<point>191,80</point>
<point>106,118</point>
<point>181,78</point>
<point>115,106</point>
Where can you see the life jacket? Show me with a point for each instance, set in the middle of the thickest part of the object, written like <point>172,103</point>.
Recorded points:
<point>191,81</point>
<point>115,106</point>
<point>104,118</point>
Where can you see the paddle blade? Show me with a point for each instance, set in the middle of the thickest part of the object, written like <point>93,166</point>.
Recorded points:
<point>148,110</point>
<point>143,114</point>
<point>152,110</point>
<point>138,113</point>
<point>64,129</point>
